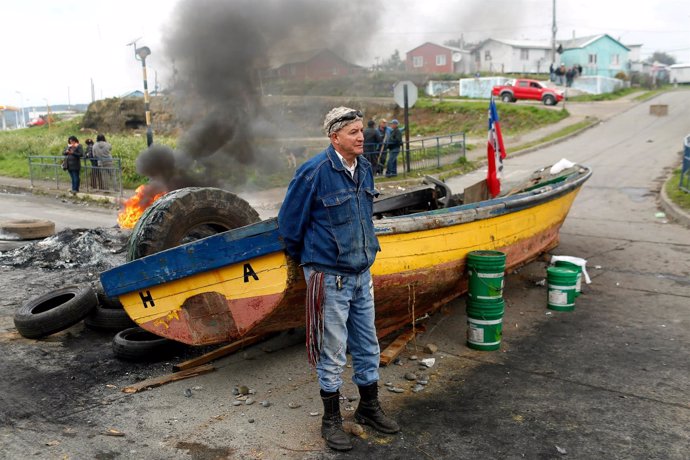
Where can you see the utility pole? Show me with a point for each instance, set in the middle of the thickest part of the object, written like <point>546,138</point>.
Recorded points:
<point>554,29</point>
<point>93,92</point>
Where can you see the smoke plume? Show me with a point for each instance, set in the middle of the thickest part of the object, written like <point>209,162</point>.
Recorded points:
<point>219,49</point>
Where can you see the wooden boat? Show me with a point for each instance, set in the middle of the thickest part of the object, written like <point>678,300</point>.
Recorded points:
<point>241,283</point>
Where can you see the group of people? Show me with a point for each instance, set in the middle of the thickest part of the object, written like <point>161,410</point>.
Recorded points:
<point>565,76</point>
<point>100,156</point>
<point>382,146</point>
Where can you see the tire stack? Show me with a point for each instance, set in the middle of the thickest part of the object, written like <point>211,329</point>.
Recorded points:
<point>63,308</point>
<point>485,306</point>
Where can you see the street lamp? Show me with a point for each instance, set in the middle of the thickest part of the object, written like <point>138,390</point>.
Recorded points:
<point>141,54</point>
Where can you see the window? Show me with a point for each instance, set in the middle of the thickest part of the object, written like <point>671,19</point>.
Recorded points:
<point>440,59</point>
<point>592,59</point>
<point>524,54</point>
<point>523,84</point>
<point>417,61</point>
<point>615,59</point>
<point>487,55</point>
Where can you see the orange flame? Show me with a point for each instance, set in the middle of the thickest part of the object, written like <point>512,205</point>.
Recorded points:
<point>135,206</point>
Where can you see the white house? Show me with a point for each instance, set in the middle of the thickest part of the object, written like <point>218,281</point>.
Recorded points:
<point>512,56</point>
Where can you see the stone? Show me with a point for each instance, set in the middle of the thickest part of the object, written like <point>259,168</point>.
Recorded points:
<point>265,404</point>
<point>430,348</point>
<point>396,389</point>
<point>411,376</point>
<point>237,403</point>
<point>413,358</point>
<point>244,390</point>
<point>417,388</point>
<point>293,405</point>
<point>249,401</point>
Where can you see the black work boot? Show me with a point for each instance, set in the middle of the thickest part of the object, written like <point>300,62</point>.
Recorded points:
<point>332,423</point>
<point>369,411</point>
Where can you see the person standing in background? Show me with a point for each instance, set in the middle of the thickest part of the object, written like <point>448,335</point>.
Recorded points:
<point>102,152</point>
<point>394,143</point>
<point>372,140</point>
<point>74,152</point>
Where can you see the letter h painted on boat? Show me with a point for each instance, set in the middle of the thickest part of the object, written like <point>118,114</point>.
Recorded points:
<point>148,298</point>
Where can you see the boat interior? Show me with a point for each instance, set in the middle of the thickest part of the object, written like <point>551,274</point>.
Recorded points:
<point>435,194</point>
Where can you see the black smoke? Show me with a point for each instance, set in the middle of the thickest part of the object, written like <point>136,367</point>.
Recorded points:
<point>219,50</point>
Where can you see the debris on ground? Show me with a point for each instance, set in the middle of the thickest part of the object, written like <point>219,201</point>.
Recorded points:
<point>428,362</point>
<point>99,249</point>
<point>430,348</point>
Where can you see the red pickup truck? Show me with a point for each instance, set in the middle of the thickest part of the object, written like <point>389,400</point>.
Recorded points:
<point>522,88</point>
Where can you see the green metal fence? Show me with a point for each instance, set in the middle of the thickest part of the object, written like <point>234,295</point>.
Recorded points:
<point>47,171</point>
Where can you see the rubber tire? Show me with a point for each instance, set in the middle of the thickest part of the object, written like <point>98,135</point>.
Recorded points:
<point>185,215</point>
<point>507,97</point>
<point>137,344</point>
<point>548,99</point>
<point>27,229</point>
<point>109,319</point>
<point>55,311</point>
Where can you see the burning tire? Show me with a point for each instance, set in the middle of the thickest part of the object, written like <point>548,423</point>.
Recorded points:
<point>27,229</point>
<point>137,344</point>
<point>54,311</point>
<point>186,215</point>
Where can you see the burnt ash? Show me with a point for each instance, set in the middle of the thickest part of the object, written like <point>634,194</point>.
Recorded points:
<point>92,249</point>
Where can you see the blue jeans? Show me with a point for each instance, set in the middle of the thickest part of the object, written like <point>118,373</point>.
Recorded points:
<point>74,175</point>
<point>392,166</point>
<point>348,325</point>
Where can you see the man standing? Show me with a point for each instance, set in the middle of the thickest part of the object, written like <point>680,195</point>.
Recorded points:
<point>326,223</point>
<point>394,143</point>
<point>385,132</point>
<point>372,140</point>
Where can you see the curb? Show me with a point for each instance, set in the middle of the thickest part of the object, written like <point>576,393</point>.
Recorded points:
<point>675,212</point>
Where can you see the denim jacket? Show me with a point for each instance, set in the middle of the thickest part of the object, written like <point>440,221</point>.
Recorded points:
<point>326,218</point>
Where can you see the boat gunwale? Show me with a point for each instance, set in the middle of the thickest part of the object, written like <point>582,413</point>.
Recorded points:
<point>263,238</point>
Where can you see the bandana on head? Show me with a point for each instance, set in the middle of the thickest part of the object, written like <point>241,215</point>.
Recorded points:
<point>329,127</point>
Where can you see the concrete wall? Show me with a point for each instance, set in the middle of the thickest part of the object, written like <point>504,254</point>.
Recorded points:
<point>479,88</point>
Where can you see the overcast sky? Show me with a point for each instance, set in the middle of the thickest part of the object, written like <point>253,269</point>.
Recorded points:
<point>52,49</point>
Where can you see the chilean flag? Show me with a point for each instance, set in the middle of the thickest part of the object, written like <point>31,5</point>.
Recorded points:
<point>496,152</point>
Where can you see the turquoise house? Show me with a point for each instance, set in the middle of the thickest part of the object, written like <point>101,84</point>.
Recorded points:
<point>600,55</point>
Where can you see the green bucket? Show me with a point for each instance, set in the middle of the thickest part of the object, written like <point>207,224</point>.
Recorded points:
<point>575,268</point>
<point>486,269</point>
<point>561,283</point>
<point>484,324</point>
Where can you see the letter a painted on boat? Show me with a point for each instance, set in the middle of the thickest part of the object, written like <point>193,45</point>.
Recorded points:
<point>249,271</point>
<point>147,298</point>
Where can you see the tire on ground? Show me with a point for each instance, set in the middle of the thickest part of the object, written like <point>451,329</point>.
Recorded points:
<point>186,215</point>
<point>26,229</point>
<point>137,344</point>
<point>54,311</point>
<point>109,319</point>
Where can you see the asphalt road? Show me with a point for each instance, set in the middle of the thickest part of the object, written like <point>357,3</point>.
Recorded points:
<point>610,379</point>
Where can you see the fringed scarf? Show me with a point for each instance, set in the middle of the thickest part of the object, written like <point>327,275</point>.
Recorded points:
<point>314,313</point>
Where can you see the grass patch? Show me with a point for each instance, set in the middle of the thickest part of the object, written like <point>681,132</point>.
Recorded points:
<point>675,194</point>
<point>435,117</point>
<point>17,145</point>
<point>557,135</point>
<point>619,93</point>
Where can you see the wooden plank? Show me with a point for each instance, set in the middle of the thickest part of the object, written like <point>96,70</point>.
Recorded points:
<point>393,350</point>
<point>163,379</point>
<point>476,192</point>
<point>217,353</point>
